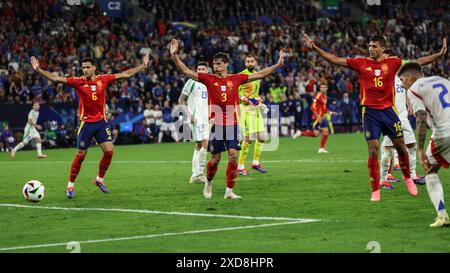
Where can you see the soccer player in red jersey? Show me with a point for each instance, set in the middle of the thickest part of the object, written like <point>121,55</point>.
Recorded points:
<point>320,125</point>
<point>91,90</point>
<point>377,95</point>
<point>223,100</point>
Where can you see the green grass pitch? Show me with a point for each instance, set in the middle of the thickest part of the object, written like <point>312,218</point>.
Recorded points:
<point>153,208</point>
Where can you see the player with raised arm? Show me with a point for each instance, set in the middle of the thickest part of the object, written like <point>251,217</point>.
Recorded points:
<point>223,98</point>
<point>91,91</point>
<point>430,103</point>
<point>194,100</point>
<point>320,124</point>
<point>377,95</point>
<point>251,121</point>
<point>31,132</point>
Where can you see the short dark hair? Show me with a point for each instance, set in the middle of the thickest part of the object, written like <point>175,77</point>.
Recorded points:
<point>202,64</point>
<point>378,38</point>
<point>221,56</point>
<point>323,83</point>
<point>251,56</point>
<point>88,60</point>
<point>390,52</point>
<point>410,67</point>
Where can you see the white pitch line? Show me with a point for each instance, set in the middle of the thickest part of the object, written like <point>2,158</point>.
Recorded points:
<point>152,236</point>
<point>181,161</point>
<point>306,220</point>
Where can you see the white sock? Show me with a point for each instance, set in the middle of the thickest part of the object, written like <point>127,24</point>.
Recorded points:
<point>255,162</point>
<point>396,158</point>
<point>228,190</point>
<point>195,166</point>
<point>240,167</point>
<point>39,148</point>
<point>436,193</point>
<point>412,161</point>
<point>202,154</point>
<point>70,184</point>
<point>19,146</point>
<point>386,156</point>
<point>99,179</point>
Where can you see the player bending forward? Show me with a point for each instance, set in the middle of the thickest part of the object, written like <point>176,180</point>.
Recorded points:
<point>223,98</point>
<point>93,123</point>
<point>431,104</point>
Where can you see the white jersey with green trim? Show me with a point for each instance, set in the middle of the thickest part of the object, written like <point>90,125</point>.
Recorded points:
<point>33,115</point>
<point>197,100</point>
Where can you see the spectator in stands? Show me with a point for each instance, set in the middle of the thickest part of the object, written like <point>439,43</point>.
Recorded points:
<point>347,113</point>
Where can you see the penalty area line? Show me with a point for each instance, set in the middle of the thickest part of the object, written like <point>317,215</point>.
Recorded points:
<point>306,220</point>
<point>152,236</point>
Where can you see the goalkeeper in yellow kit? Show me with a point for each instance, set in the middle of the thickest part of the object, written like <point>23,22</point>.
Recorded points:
<point>250,119</point>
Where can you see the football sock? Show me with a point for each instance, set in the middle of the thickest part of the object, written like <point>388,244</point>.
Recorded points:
<point>76,166</point>
<point>412,161</point>
<point>211,171</point>
<point>104,163</point>
<point>323,141</point>
<point>232,173</point>
<point>243,154</point>
<point>257,152</point>
<point>195,160</point>
<point>404,164</point>
<point>374,172</point>
<point>308,133</point>
<point>39,148</point>
<point>386,158</point>
<point>436,193</point>
<point>202,154</point>
<point>19,146</point>
<point>70,185</point>
<point>391,164</point>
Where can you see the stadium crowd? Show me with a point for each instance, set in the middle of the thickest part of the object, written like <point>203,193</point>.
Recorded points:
<point>60,36</point>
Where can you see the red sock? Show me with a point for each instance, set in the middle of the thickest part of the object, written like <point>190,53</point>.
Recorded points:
<point>374,172</point>
<point>308,133</point>
<point>232,173</point>
<point>390,165</point>
<point>323,141</point>
<point>211,171</point>
<point>403,159</point>
<point>76,166</point>
<point>104,163</point>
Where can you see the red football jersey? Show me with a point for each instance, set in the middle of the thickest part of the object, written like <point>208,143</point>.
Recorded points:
<point>223,96</point>
<point>319,105</point>
<point>91,96</point>
<point>376,80</point>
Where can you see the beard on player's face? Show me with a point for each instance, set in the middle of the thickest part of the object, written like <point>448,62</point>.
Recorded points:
<point>251,68</point>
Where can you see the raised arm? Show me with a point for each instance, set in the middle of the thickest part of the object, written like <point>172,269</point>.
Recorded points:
<point>54,78</point>
<point>431,58</point>
<point>178,63</point>
<point>130,72</point>
<point>322,53</point>
<point>267,71</point>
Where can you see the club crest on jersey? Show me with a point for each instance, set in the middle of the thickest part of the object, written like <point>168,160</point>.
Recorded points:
<point>377,72</point>
<point>230,84</point>
<point>384,68</point>
<point>93,88</point>
<point>223,88</point>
